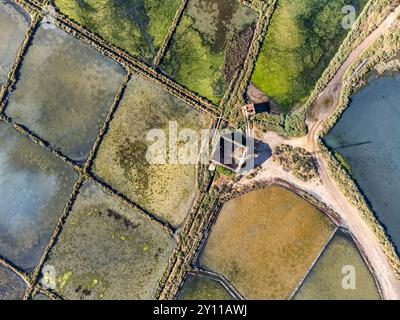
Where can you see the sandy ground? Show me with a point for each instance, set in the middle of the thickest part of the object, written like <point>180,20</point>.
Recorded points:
<point>326,189</point>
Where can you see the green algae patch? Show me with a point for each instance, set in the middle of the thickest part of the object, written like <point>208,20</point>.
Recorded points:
<point>202,45</point>
<point>302,38</point>
<point>165,190</point>
<point>265,241</point>
<point>137,26</point>
<point>90,262</point>
<point>34,186</point>
<point>203,288</point>
<point>13,25</point>
<point>330,277</point>
<point>11,286</point>
<point>65,91</point>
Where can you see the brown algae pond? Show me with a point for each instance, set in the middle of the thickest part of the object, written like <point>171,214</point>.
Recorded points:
<point>203,288</point>
<point>34,186</point>
<point>65,91</point>
<point>165,190</point>
<point>329,279</point>
<point>265,241</point>
<point>107,251</point>
<point>13,24</point>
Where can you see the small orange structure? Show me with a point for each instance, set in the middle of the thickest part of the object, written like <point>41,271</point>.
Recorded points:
<point>249,110</point>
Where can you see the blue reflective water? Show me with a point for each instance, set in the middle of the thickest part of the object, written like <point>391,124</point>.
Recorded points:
<point>34,188</point>
<point>11,286</point>
<point>13,24</point>
<point>368,136</point>
<point>65,91</point>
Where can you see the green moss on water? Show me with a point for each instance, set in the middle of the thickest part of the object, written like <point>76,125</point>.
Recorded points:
<point>222,171</point>
<point>137,26</point>
<point>301,40</point>
<point>203,288</point>
<point>197,53</point>
<point>325,280</point>
<point>203,76</point>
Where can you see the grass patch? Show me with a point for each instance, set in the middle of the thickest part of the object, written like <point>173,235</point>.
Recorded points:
<point>301,40</point>
<point>222,171</point>
<point>198,51</point>
<point>343,161</point>
<point>137,26</point>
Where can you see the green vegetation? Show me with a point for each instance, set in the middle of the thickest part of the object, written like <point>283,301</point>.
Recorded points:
<point>343,161</point>
<point>198,51</point>
<point>203,288</point>
<point>301,40</point>
<point>292,125</point>
<point>265,241</point>
<point>222,171</point>
<point>298,161</point>
<point>325,280</point>
<point>137,26</point>
<point>202,76</point>
<point>108,250</point>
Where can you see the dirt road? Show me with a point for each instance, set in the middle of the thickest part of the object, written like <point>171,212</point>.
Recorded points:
<point>326,190</point>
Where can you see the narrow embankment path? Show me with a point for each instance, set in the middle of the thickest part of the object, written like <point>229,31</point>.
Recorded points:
<point>366,238</point>
<point>326,189</point>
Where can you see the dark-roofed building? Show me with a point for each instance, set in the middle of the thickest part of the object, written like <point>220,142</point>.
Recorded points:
<point>233,150</point>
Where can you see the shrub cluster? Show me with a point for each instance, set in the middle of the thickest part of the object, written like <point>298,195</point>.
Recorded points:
<point>296,160</point>
<point>291,125</point>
